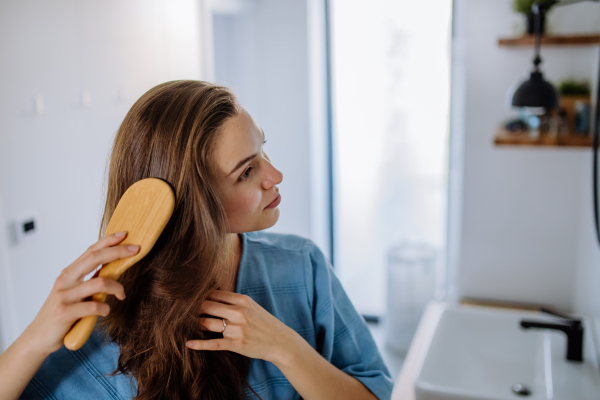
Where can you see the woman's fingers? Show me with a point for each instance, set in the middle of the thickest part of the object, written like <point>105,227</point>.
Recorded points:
<point>91,287</point>
<point>106,241</point>
<point>103,256</point>
<point>212,324</point>
<point>73,312</point>
<point>212,344</point>
<point>231,313</point>
<point>251,330</point>
<point>224,296</point>
<point>75,273</point>
<point>66,302</point>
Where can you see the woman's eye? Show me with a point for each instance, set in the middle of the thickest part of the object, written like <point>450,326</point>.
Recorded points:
<point>246,174</point>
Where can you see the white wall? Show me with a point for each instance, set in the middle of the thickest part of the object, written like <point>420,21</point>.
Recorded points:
<point>271,53</point>
<point>521,215</point>
<point>261,54</point>
<point>52,165</point>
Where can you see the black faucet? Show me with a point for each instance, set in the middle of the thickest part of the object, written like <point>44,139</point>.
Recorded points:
<point>571,326</point>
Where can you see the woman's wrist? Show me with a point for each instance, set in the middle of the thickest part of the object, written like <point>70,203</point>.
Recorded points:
<point>18,364</point>
<point>312,375</point>
<point>287,349</point>
<point>31,346</point>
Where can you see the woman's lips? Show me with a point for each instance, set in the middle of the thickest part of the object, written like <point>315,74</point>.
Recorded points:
<point>275,202</point>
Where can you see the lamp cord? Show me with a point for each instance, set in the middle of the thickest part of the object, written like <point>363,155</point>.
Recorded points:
<point>537,22</point>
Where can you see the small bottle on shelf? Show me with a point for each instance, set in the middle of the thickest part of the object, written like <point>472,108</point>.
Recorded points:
<point>563,123</point>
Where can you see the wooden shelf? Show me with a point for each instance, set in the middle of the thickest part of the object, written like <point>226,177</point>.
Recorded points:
<point>561,40</point>
<point>505,138</point>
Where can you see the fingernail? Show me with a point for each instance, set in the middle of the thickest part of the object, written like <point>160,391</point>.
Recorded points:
<point>120,234</point>
<point>190,344</point>
<point>133,248</point>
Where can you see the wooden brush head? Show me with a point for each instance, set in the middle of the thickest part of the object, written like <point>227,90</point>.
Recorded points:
<point>143,211</point>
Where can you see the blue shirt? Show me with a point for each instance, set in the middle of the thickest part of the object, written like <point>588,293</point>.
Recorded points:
<point>290,278</point>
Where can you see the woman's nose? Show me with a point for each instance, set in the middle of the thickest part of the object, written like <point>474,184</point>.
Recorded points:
<point>273,178</point>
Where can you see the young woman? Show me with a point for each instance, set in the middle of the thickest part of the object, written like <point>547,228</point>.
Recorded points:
<point>217,309</point>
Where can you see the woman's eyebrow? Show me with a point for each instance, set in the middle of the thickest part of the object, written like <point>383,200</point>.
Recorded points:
<point>242,162</point>
<point>245,160</point>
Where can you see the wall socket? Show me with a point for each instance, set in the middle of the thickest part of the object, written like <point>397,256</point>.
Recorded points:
<point>22,230</point>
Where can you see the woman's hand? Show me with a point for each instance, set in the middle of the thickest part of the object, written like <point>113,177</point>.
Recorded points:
<point>65,303</point>
<point>251,330</point>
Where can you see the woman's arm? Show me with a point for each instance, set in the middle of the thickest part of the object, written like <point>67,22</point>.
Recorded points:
<point>65,305</point>
<point>314,377</point>
<point>18,364</point>
<point>255,333</point>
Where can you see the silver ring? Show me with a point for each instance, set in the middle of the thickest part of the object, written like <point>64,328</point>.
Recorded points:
<point>224,325</point>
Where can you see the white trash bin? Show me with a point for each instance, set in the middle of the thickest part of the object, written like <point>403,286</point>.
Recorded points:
<point>410,286</point>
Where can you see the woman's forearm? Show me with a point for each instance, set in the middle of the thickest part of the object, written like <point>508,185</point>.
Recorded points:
<point>18,364</point>
<point>316,378</point>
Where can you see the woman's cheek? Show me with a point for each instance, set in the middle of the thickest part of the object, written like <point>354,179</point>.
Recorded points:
<point>253,201</point>
<point>244,205</point>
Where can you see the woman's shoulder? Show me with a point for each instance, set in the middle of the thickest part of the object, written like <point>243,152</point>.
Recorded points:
<point>258,241</point>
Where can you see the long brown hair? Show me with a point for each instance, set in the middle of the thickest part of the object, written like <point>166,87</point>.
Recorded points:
<point>170,133</point>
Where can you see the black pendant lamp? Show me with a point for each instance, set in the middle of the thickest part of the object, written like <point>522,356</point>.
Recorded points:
<point>536,92</point>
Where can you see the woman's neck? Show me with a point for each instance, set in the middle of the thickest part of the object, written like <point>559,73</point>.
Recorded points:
<point>235,245</point>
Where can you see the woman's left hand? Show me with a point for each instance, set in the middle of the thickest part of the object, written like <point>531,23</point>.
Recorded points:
<point>251,330</point>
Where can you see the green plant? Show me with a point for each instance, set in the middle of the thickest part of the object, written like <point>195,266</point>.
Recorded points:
<point>524,6</point>
<point>574,88</point>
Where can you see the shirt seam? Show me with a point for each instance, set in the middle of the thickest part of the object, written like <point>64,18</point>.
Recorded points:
<point>346,330</point>
<point>377,388</point>
<point>383,377</point>
<point>90,369</point>
<point>310,332</point>
<point>274,289</point>
<point>265,385</point>
<point>325,307</point>
<point>259,245</point>
<point>42,390</point>
<point>308,269</point>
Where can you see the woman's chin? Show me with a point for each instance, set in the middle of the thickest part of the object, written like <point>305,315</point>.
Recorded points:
<point>271,219</point>
<point>265,222</point>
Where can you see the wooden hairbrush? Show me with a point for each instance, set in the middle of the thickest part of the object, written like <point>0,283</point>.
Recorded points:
<point>143,211</point>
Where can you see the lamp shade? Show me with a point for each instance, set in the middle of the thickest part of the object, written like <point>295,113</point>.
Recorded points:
<point>535,92</point>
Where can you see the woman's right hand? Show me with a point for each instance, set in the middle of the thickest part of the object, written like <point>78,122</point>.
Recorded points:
<point>65,303</point>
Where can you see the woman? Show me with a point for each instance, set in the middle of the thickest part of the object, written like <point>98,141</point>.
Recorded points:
<point>216,310</point>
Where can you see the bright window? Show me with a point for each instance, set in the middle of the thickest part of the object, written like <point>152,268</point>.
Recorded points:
<point>391,81</point>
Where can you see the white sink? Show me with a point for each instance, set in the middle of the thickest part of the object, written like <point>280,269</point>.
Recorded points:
<point>480,353</point>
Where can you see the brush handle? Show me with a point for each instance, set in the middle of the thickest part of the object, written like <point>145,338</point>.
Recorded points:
<point>82,329</point>
<point>143,211</point>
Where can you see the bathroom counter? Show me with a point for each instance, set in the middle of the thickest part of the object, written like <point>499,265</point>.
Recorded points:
<point>404,385</point>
